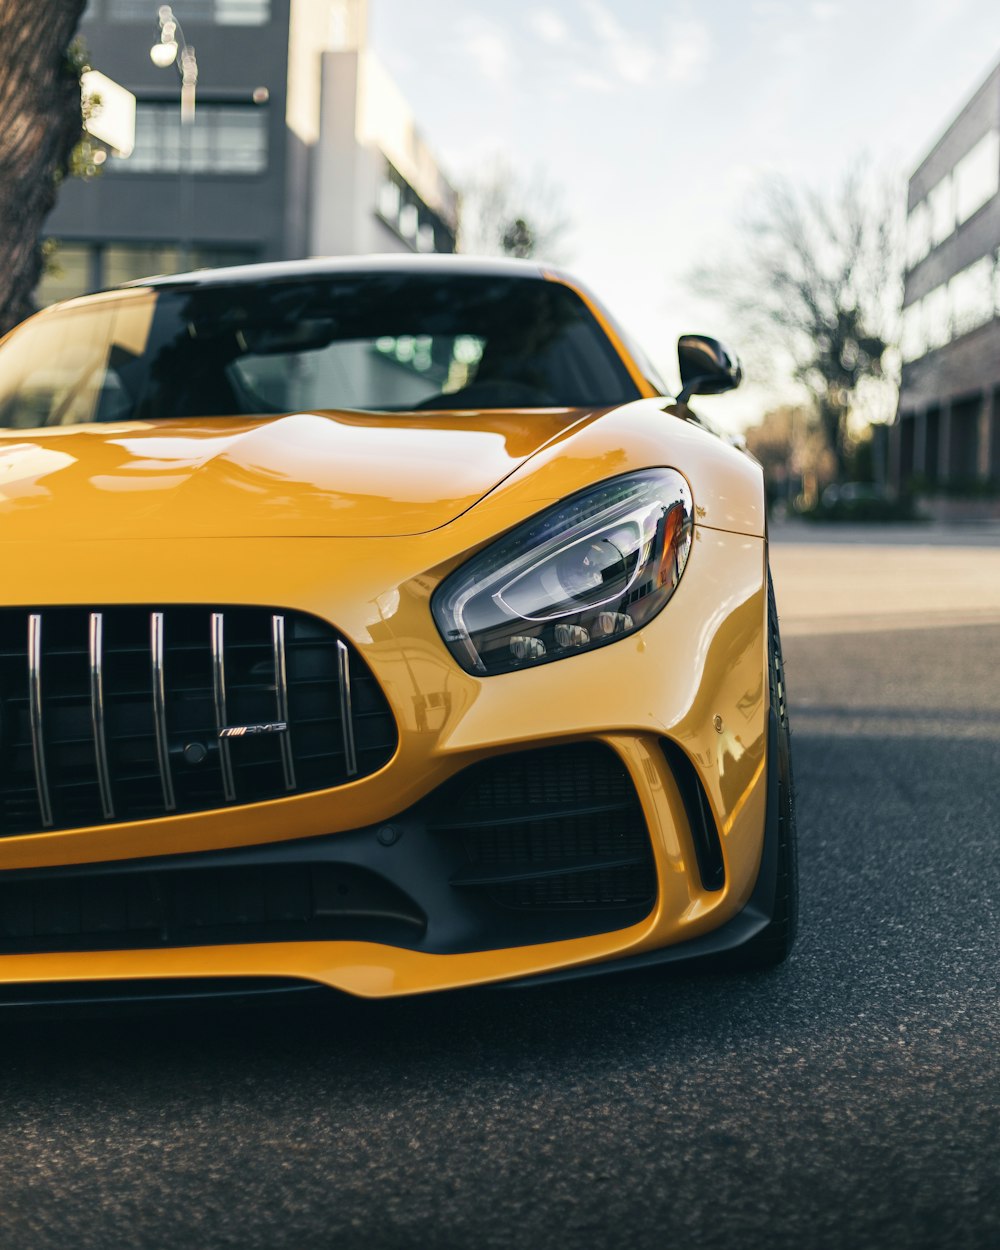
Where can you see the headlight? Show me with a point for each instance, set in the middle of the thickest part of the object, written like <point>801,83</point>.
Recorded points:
<point>587,572</point>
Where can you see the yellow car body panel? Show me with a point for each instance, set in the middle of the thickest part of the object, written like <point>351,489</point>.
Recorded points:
<point>223,511</point>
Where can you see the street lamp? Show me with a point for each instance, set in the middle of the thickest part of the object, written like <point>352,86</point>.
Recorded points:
<point>173,49</point>
<point>165,53</point>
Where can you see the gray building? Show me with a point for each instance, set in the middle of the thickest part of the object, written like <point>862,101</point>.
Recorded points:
<point>947,429</point>
<point>301,145</point>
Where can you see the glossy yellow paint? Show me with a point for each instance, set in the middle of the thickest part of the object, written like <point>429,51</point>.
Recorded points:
<point>229,512</point>
<point>304,474</point>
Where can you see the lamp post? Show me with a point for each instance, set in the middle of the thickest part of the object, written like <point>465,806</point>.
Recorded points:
<point>173,49</point>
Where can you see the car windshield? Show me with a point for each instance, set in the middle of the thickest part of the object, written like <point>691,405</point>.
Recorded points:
<point>382,342</point>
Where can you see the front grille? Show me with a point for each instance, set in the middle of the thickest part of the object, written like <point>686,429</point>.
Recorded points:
<point>114,714</point>
<point>553,829</point>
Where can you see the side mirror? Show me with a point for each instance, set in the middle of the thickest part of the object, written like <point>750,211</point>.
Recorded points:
<point>707,368</point>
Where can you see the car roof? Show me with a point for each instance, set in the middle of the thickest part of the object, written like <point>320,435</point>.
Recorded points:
<point>268,271</point>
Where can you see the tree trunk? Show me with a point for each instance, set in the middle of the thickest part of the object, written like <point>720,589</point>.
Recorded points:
<point>40,108</point>
<point>833,422</point>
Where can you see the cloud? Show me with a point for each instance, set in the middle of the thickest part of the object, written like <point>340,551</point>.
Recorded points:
<point>633,57</point>
<point>587,80</point>
<point>790,45</point>
<point>826,10</point>
<point>549,26</point>
<point>487,45</point>
<point>628,54</point>
<point>688,47</point>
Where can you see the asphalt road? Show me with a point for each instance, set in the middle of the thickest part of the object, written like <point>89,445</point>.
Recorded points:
<point>848,1099</point>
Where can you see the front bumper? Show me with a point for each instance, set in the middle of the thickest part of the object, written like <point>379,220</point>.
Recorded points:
<point>699,665</point>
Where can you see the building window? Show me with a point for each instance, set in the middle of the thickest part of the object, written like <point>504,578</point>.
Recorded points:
<point>74,268</point>
<point>68,272</point>
<point>973,182</point>
<point>918,234</point>
<point>404,211</point>
<point>941,204</point>
<point>224,139</point>
<point>219,12</point>
<point>913,342</point>
<point>409,222</point>
<point>970,293</point>
<point>125,262</point>
<point>977,176</point>
<point>388,200</point>
<point>937,317</point>
<point>996,299</point>
<point>968,300</point>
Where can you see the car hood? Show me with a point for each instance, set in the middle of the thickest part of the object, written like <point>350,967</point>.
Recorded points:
<point>301,474</point>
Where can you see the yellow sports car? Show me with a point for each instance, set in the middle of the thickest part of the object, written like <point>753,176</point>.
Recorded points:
<point>379,624</point>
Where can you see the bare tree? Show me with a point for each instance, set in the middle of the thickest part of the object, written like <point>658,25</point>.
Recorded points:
<point>505,214</point>
<point>792,451</point>
<point>42,122</point>
<point>821,275</point>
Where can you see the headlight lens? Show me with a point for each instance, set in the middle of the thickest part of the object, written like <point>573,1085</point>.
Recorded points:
<point>587,572</point>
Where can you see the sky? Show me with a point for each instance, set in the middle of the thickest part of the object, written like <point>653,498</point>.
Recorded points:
<point>654,122</point>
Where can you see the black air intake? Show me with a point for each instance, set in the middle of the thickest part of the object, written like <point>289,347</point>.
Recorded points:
<point>704,834</point>
<point>553,829</point>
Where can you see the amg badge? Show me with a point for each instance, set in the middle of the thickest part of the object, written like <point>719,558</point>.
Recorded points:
<point>266,727</point>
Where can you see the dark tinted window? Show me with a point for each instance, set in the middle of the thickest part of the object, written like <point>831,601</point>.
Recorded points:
<point>383,342</point>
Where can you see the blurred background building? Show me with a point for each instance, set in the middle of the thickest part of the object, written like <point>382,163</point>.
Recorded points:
<point>947,429</point>
<point>301,145</point>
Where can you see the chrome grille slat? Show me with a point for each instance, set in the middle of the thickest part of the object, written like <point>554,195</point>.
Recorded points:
<point>114,716</point>
<point>97,714</point>
<point>281,698</point>
<point>346,719</point>
<point>221,710</point>
<point>37,731</point>
<point>160,710</point>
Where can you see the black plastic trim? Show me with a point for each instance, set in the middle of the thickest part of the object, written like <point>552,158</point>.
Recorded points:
<point>566,868</point>
<point>150,991</point>
<point>704,833</point>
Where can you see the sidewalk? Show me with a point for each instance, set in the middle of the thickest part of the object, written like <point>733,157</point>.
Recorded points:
<point>895,534</point>
<point>843,585</point>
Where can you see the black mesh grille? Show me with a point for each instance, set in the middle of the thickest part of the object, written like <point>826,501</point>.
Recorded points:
<point>552,829</point>
<point>127,905</point>
<point>75,752</point>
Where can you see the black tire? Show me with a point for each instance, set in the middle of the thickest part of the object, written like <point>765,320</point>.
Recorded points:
<point>773,944</point>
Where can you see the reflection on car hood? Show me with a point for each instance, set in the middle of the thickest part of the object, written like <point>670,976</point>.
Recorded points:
<point>331,474</point>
